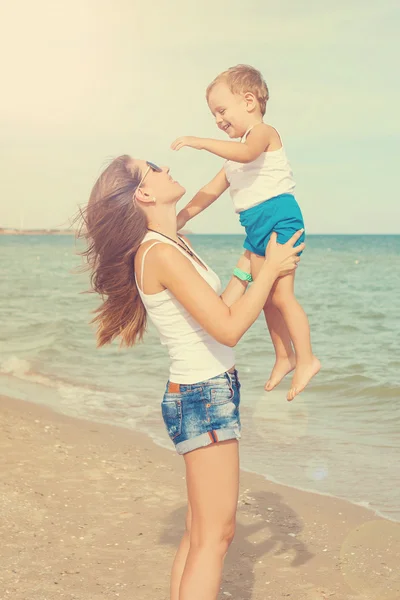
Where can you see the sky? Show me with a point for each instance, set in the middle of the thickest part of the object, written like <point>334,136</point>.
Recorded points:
<point>84,81</point>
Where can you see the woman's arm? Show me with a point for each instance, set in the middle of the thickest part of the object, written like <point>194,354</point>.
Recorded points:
<point>203,199</point>
<point>236,287</point>
<point>225,324</point>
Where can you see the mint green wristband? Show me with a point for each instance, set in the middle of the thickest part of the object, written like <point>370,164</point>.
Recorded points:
<point>242,275</point>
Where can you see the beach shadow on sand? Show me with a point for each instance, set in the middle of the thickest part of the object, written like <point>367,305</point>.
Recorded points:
<point>265,527</point>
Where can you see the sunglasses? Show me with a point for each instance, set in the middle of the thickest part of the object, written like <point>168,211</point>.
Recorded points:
<point>150,167</point>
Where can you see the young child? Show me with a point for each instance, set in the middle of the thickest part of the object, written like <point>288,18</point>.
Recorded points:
<point>261,186</point>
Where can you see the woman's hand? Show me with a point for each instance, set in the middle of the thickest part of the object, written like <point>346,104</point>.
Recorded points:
<point>187,140</point>
<point>283,257</point>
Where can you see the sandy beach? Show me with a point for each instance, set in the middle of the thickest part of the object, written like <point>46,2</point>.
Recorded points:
<point>94,511</point>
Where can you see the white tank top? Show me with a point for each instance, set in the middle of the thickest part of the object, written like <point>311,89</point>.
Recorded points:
<point>267,176</point>
<point>195,355</point>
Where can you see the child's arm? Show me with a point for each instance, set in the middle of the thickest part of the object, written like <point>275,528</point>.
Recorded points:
<point>236,287</point>
<point>203,199</point>
<point>255,144</point>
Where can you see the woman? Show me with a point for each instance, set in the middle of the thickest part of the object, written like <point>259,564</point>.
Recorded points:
<point>142,267</point>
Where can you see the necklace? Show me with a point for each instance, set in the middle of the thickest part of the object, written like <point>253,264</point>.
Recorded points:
<point>184,247</point>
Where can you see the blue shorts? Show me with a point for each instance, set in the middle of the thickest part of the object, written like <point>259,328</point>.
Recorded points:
<point>281,214</point>
<point>202,413</point>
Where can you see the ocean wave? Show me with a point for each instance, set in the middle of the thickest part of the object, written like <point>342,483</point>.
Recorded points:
<point>78,394</point>
<point>15,366</point>
<point>23,369</point>
<point>390,515</point>
<point>82,400</point>
<point>362,387</point>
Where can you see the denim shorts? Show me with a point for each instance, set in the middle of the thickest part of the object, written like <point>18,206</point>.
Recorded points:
<point>281,214</point>
<point>202,413</point>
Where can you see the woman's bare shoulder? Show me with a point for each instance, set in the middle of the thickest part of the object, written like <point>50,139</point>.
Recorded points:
<point>160,253</point>
<point>143,247</point>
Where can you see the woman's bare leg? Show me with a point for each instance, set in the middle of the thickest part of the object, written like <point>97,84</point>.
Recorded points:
<point>180,557</point>
<point>285,360</point>
<point>212,476</point>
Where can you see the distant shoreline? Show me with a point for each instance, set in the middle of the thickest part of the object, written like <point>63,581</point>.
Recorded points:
<point>10,231</point>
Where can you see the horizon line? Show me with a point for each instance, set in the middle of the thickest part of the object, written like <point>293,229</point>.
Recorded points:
<point>55,230</point>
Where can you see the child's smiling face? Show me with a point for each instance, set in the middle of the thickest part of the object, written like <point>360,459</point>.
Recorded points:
<point>230,110</point>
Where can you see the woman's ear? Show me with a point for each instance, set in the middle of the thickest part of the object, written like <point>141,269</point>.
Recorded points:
<point>145,197</point>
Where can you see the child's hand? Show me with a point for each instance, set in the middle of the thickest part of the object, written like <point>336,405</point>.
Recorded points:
<point>187,140</point>
<point>180,221</point>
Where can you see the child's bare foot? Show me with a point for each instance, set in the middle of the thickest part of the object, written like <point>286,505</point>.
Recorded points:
<point>282,367</point>
<point>302,376</point>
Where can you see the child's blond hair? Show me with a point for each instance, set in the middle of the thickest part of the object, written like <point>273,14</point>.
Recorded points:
<point>242,79</point>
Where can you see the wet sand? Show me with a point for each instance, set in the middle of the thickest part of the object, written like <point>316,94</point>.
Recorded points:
<point>90,511</point>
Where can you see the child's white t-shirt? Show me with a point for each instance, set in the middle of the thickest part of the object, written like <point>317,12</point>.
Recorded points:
<point>266,177</point>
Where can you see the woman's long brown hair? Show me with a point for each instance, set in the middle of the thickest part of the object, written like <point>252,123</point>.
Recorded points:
<point>114,226</point>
